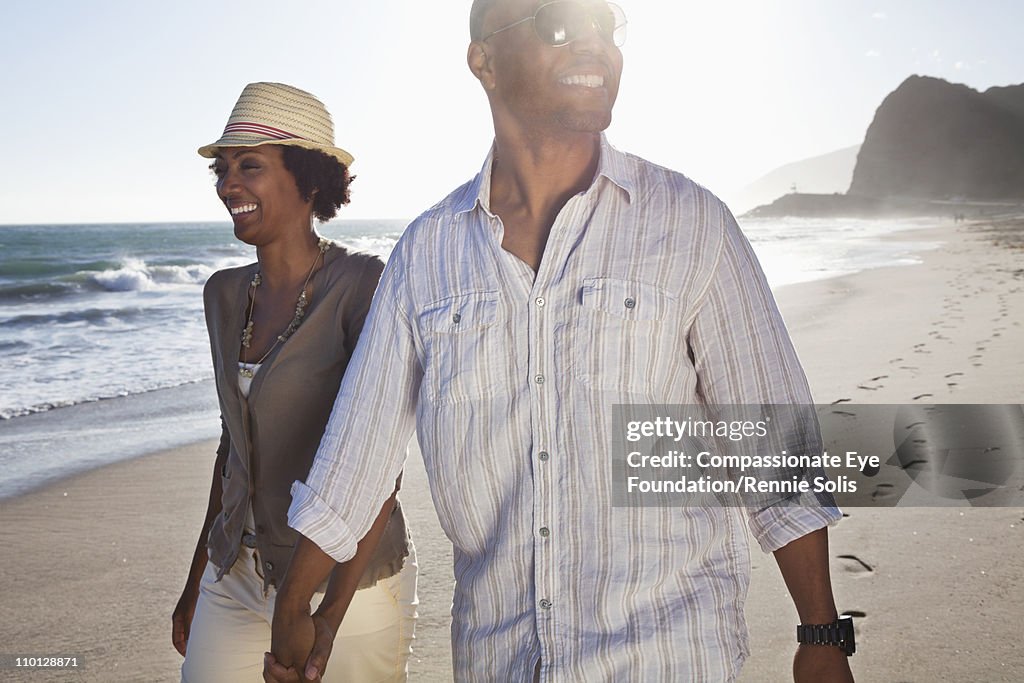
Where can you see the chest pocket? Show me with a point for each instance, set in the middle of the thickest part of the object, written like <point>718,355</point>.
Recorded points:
<point>465,354</point>
<point>624,337</point>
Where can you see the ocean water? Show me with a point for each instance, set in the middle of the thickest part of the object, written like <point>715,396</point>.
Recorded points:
<point>92,314</point>
<point>794,250</point>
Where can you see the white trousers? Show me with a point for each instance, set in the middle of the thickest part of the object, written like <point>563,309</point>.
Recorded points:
<point>231,628</point>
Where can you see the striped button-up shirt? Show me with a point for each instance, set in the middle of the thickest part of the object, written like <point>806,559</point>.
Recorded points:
<point>647,293</point>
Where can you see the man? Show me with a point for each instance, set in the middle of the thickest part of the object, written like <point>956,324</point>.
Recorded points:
<point>565,278</point>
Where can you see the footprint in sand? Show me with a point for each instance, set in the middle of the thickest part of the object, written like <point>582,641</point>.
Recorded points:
<point>920,396</point>
<point>854,613</point>
<point>858,568</point>
<point>882,491</point>
<point>841,400</point>
<point>954,374</point>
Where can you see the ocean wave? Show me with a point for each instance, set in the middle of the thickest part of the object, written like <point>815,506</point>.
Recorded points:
<point>135,275</point>
<point>127,275</point>
<point>38,268</point>
<point>8,412</point>
<point>381,246</point>
<point>13,345</point>
<point>35,290</point>
<point>91,315</point>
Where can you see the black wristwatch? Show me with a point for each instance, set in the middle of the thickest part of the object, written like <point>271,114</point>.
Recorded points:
<point>839,633</point>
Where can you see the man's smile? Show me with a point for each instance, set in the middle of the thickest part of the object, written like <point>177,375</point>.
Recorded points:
<point>584,80</point>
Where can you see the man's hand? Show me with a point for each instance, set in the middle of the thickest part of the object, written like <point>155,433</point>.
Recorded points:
<point>315,664</point>
<point>821,664</point>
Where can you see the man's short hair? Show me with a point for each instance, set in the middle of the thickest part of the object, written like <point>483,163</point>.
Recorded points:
<point>476,17</point>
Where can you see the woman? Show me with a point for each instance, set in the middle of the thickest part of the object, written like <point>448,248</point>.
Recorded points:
<point>282,331</point>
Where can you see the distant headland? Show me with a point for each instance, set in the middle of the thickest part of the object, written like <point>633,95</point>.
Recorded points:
<point>933,148</point>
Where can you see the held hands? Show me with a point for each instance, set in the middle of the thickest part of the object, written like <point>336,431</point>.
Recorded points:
<point>304,646</point>
<point>821,664</point>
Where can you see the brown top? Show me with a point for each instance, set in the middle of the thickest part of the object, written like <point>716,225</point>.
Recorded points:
<point>270,438</point>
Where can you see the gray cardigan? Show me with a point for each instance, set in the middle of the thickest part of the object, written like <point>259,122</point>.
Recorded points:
<point>271,438</point>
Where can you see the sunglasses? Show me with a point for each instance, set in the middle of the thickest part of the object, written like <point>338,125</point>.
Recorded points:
<point>561,22</point>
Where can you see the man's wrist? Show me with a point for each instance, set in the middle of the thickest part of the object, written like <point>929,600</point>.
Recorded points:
<point>838,633</point>
<point>825,615</point>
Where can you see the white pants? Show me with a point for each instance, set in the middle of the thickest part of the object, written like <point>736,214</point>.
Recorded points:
<point>231,628</point>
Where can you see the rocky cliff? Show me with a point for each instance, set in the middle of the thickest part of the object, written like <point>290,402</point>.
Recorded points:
<point>931,139</point>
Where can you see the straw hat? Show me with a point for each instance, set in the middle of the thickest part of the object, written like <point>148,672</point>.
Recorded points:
<point>278,114</point>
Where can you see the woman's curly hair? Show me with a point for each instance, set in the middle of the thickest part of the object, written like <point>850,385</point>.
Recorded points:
<point>319,177</point>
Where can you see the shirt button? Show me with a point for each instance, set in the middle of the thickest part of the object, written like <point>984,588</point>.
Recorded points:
<point>630,302</point>
<point>270,566</point>
<point>540,301</point>
<point>545,604</point>
<point>545,532</point>
<point>543,455</point>
<point>457,318</point>
<point>539,379</point>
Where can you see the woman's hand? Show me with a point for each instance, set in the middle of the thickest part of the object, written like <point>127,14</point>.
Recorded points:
<point>181,619</point>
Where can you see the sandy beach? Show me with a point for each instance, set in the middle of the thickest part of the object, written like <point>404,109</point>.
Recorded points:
<point>94,564</point>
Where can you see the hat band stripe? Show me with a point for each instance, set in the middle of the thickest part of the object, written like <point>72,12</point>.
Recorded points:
<point>260,129</point>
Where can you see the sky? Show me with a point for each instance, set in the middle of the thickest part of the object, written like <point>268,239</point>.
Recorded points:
<point>105,102</point>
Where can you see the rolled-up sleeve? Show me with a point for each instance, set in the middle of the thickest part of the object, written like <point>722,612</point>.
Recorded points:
<point>364,447</point>
<point>744,357</point>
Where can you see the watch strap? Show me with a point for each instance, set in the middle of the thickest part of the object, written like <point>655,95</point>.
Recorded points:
<point>839,633</point>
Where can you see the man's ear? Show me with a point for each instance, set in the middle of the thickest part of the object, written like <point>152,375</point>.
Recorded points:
<point>479,62</point>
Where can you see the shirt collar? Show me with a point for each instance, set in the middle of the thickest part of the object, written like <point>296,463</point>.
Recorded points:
<point>612,165</point>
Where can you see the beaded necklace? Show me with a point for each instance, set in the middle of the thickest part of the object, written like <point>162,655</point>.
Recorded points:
<point>300,312</point>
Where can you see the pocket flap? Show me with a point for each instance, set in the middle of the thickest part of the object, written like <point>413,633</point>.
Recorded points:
<point>460,313</point>
<point>626,299</point>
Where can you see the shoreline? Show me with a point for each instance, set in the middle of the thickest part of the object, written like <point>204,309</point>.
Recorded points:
<point>48,447</point>
<point>103,554</point>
